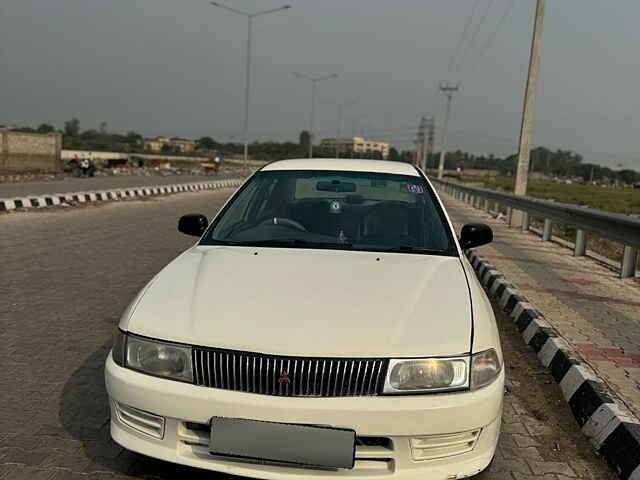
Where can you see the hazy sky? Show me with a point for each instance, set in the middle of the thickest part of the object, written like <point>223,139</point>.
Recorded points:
<point>168,67</point>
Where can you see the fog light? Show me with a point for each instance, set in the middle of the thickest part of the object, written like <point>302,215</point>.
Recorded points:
<point>139,420</point>
<point>439,446</point>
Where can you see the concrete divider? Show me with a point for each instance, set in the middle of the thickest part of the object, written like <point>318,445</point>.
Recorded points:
<point>603,418</point>
<point>70,198</point>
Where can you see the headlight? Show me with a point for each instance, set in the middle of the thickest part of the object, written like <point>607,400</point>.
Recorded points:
<point>158,358</point>
<point>485,367</point>
<point>427,375</point>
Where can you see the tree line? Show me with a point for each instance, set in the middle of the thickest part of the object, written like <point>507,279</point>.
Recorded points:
<point>553,163</point>
<point>132,142</point>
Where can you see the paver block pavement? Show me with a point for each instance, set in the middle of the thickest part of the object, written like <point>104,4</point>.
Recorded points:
<point>71,273</point>
<point>591,308</point>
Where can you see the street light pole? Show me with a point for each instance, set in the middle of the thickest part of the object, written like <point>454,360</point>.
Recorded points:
<point>339,132</point>
<point>247,90</point>
<point>314,82</point>
<point>341,107</point>
<point>313,117</point>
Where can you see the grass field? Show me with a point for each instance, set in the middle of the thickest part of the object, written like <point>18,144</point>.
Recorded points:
<point>619,200</point>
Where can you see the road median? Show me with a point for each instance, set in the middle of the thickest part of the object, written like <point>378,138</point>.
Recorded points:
<point>75,198</point>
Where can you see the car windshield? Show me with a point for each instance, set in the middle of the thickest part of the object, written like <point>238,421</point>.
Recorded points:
<point>334,209</point>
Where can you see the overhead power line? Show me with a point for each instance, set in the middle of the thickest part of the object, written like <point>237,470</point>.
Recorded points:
<point>477,30</point>
<point>463,37</point>
<point>488,44</point>
<point>492,37</point>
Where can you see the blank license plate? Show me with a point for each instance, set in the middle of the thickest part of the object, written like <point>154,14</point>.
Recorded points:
<point>283,442</point>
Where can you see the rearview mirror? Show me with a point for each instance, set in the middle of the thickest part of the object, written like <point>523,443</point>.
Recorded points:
<point>193,224</point>
<point>336,186</point>
<point>475,235</point>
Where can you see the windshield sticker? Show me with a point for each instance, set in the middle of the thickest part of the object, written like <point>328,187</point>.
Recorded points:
<point>412,188</point>
<point>335,207</point>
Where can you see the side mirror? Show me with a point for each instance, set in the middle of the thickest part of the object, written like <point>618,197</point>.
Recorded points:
<point>193,224</point>
<point>474,235</point>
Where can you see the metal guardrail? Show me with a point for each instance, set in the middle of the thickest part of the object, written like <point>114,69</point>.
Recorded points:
<point>619,228</point>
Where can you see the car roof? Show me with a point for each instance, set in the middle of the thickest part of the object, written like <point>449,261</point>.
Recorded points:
<point>344,165</point>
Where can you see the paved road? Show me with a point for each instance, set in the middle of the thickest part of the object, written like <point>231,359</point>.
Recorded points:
<point>72,184</point>
<point>592,309</point>
<point>66,277</point>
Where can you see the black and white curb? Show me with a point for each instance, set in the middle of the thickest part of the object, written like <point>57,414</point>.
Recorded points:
<point>107,195</point>
<point>613,431</point>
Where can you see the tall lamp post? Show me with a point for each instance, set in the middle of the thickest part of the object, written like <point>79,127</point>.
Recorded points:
<point>247,90</point>
<point>314,82</point>
<point>341,107</point>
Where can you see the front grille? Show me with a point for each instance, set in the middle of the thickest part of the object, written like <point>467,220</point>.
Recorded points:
<point>288,376</point>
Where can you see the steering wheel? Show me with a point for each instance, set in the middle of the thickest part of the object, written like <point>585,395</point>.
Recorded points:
<point>285,222</point>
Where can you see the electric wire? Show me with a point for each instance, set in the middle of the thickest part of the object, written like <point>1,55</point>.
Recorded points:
<point>479,25</point>
<point>462,39</point>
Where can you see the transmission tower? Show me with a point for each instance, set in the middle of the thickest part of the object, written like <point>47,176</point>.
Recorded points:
<point>420,142</point>
<point>448,90</point>
<point>431,127</point>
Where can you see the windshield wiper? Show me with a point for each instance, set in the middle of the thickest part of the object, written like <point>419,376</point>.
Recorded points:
<point>412,249</point>
<point>293,242</point>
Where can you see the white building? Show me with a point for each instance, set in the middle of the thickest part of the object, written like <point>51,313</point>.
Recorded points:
<point>357,145</point>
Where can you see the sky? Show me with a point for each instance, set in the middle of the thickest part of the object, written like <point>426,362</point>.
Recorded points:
<point>167,67</point>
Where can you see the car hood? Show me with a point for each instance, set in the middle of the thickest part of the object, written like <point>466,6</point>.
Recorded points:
<point>301,302</point>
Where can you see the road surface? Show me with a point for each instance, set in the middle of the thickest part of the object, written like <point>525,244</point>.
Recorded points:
<point>66,277</point>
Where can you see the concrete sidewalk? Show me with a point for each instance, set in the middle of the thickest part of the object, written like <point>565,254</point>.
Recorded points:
<point>591,308</point>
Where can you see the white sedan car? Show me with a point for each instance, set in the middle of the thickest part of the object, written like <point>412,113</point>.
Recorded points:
<point>325,324</point>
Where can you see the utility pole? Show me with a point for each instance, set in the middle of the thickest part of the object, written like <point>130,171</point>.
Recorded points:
<point>339,132</point>
<point>448,91</point>
<point>528,111</point>
<point>420,143</point>
<point>247,85</point>
<point>341,107</point>
<point>354,123</point>
<point>548,155</point>
<point>314,81</point>
<point>431,126</point>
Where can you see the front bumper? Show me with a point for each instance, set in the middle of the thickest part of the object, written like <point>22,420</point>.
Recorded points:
<point>185,407</point>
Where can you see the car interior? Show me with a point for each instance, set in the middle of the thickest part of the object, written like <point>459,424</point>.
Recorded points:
<point>336,210</point>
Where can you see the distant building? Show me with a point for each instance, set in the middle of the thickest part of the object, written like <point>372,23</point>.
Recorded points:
<point>26,151</point>
<point>176,144</point>
<point>357,145</point>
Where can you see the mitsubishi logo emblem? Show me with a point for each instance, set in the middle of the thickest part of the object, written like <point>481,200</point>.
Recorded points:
<point>284,378</point>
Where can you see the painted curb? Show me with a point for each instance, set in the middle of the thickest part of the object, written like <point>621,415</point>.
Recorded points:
<point>50,200</point>
<point>612,430</point>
